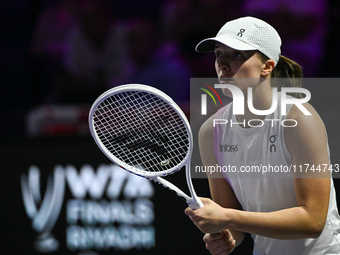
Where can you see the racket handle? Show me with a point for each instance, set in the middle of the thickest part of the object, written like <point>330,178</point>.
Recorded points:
<point>196,204</point>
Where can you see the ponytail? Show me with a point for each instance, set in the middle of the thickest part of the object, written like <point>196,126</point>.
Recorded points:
<point>286,73</point>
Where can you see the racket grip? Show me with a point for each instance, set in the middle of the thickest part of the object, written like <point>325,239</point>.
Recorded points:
<point>196,204</point>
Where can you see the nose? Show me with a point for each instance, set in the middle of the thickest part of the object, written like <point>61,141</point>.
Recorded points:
<point>222,66</point>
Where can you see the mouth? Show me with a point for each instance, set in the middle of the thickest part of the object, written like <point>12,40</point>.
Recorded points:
<point>225,80</point>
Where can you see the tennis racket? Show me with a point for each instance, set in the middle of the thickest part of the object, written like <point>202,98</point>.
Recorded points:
<point>145,132</point>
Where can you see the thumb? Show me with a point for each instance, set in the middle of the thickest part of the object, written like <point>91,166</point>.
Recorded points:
<point>226,232</point>
<point>188,211</point>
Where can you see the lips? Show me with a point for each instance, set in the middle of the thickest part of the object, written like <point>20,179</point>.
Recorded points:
<point>226,80</point>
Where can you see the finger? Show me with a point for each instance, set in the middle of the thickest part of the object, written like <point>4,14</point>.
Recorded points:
<point>226,248</point>
<point>226,251</point>
<point>228,236</point>
<point>211,237</point>
<point>220,243</point>
<point>230,242</point>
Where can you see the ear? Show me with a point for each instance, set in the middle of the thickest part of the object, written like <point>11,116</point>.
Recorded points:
<point>268,67</point>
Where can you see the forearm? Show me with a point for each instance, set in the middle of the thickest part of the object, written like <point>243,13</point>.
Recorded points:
<point>292,223</point>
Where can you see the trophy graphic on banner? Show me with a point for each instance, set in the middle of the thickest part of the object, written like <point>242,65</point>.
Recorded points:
<point>43,212</point>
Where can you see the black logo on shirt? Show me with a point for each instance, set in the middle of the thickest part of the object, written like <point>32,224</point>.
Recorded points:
<point>272,140</point>
<point>228,148</point>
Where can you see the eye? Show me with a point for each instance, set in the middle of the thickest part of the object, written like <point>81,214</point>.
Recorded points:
<point>237,55</point>
<point>218,54</point>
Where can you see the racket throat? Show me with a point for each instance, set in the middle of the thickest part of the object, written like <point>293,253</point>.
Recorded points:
<point>171,187</point>
<point>194,202</point>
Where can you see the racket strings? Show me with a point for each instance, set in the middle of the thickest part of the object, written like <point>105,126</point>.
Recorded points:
<point>141,142</point>
<point>142,130</point>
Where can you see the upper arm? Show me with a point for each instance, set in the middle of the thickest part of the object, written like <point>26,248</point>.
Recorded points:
<point>220,190</point>
<point>307,143</point>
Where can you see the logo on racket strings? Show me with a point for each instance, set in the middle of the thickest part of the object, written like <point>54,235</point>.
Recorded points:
<point>165,162</point>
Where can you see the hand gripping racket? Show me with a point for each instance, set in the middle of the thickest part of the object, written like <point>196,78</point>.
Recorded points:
<point>145,132</point>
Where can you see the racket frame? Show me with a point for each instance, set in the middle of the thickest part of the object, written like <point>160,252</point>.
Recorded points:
<point>194,202</point>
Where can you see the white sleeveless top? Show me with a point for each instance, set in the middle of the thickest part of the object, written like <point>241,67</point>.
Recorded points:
<point>258,166</point>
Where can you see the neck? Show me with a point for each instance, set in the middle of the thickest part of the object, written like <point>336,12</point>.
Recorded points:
<point>261,100</point>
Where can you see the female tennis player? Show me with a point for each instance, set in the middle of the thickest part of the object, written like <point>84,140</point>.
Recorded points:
<point>290,210</point>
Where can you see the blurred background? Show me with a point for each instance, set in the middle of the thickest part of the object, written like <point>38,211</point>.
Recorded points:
<point>58,56</point>
<point>59,52</point>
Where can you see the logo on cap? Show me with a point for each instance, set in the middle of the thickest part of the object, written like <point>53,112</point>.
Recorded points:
<point>242,30</point>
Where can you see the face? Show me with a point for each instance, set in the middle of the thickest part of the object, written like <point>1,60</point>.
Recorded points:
<point>233,66</point>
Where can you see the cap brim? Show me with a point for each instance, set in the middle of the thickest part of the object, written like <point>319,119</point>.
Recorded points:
<point>208,45</point>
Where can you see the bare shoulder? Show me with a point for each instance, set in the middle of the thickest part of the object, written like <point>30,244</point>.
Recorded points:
<point>307,141</point>
<point>305,124</point>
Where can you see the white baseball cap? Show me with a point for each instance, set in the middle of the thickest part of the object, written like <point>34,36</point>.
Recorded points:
<point>247,33</point>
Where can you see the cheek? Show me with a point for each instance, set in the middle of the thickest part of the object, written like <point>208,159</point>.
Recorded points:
<point>244,83</point>
<point>216,67</point>
<point>251,70</point>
